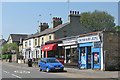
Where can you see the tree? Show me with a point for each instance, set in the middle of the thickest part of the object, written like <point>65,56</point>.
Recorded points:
<point>7,48</point>
<point>97,20</point>
<point>117,28</point>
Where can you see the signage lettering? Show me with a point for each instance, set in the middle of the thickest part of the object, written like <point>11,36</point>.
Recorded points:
<point>88,39</point>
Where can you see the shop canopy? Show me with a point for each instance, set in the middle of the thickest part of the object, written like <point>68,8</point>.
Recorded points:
<point>49,47</point>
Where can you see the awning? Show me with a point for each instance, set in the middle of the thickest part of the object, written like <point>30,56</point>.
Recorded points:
<point>49,47</point>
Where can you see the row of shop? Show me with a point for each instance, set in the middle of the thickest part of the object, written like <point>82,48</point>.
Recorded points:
<point>90,49</point>
<point>86,49</point>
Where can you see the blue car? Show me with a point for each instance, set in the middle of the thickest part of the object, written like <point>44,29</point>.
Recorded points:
<point>50,64</point>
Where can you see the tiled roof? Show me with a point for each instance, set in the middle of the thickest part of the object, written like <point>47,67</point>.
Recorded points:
<point>16,37</point>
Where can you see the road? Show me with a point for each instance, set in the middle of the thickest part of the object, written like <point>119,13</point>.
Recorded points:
<point>15,70</point>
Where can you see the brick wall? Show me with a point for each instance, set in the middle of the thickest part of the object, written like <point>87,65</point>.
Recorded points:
<point>111,48</point>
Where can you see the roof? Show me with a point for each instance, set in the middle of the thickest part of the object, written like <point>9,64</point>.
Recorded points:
<point>31,35</point>
<point>51,30</point>
<point>47,31</point>
<point>61,39</point>
<point>2,42</point>
<point>16,37</point>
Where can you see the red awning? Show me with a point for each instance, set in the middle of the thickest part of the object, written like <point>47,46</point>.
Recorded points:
<point>49,47</point>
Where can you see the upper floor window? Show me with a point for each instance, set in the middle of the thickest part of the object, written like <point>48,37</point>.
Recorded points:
<point>35,41</point>
<point>29,42</point>
<point>49,37</point>
<point>25,44</point>
<point>42,40</point>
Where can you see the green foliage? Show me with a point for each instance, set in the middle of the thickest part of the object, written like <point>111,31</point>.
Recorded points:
<point>117,28</point>
<point>97,20</point>
<point>7,48</point>
<point>6,56</point>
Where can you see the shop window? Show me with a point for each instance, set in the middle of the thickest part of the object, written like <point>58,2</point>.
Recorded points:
<point>82,51</point>
<point>96,58</point>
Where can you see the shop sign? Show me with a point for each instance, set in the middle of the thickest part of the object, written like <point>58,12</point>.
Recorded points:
<point>97,44</point>
<point>88,39</point>
<point>69,42</point>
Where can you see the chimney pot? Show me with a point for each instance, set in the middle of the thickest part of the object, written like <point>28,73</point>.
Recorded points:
<point>75,12</point>
<point>60,18</point>
<point>40,23</point>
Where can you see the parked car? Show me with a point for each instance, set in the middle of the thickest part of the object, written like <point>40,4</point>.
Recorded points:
<point>50,64</point>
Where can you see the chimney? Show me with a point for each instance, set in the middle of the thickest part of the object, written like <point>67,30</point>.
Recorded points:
<point>74,16</point>
<point>56,21</point>
<point>43,26</point>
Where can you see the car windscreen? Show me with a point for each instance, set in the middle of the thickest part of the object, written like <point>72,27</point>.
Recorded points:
<point>52,61</point>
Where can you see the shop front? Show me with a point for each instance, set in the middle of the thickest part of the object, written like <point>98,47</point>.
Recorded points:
<point>90,52</point>
<point>49,50</point>
<point>70,50</point>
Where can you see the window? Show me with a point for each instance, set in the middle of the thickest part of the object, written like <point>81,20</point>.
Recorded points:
<point>42,40</point>
<point>49,37</point>
<point>25,44</point>
<point>35,41</point>
<point>29,42</point>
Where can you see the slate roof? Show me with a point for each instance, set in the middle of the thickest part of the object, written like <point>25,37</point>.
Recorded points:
<point>47,31</point>
<point>16,37</point>
<point>51,30</point>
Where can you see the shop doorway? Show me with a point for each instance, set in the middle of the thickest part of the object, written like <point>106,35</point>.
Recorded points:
<point>67,55</point>
<point>85,53</point>
<point>89,53</point>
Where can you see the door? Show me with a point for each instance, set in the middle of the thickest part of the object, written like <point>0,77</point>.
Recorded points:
<point>89,57</point>
<point>96,58</point>
<point>67,55</point>
<point>83,57</point>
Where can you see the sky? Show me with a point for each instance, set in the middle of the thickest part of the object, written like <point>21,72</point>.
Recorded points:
<point>23,17</point>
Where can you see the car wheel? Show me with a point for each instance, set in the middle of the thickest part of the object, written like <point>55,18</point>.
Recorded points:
<point>47,70</point>
<point>40,69</point>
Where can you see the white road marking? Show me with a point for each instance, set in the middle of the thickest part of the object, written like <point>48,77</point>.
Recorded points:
<point>16,76</point>
<point>6,72</point>
<point>20,71</point>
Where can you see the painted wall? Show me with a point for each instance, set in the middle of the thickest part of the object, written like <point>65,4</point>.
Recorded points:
<point>46,38</point>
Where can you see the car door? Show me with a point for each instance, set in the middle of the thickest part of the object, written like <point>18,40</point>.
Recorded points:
<point>44,64</point>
